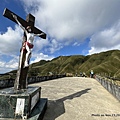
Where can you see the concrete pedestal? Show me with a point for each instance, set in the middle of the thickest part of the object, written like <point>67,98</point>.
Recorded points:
<point>22,104</point>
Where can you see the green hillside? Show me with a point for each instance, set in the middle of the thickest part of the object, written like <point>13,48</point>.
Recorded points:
<point>107,63</point>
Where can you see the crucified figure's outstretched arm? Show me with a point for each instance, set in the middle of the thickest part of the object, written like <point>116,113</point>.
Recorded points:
<point>15,17</point>
<point>26,32</point>
<point>39,34</point>
<point>29,40</point>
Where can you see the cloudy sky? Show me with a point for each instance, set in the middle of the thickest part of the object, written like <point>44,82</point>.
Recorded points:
<point>72,26</point>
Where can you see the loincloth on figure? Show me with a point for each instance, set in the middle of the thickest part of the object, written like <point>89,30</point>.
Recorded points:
<point>28,44</point>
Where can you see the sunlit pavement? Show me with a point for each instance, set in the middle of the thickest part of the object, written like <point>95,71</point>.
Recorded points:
<point>78,98</point>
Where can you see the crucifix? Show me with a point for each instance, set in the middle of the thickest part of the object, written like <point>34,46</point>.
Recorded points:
<point>29,31</point>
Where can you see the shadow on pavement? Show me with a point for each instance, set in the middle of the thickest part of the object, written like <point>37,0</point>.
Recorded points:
<point>56,107</point>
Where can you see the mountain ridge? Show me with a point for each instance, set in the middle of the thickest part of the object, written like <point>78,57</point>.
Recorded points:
<point>105,63</point>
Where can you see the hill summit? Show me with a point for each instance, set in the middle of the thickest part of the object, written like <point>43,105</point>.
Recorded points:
<point>102,63</point>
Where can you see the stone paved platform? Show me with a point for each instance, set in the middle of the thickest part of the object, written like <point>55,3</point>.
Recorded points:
<point>78,98</point>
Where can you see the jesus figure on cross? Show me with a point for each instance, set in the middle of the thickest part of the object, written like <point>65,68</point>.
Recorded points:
<point>28,44</point>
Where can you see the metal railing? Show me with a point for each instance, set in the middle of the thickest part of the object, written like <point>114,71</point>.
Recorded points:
<point>109,85</point>
<point>34,79</point>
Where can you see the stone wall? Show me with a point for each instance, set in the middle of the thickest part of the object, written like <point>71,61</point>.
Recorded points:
<point>10,82</point>
<point>112,88</point>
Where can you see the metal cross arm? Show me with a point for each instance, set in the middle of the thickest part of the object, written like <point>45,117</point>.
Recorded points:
<point>8,14</point>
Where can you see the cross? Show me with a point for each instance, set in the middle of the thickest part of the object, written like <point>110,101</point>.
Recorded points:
<point>21,79</point>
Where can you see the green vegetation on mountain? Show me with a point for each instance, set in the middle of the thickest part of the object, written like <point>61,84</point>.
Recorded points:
<point>104,62</point>
<point>107,63</point>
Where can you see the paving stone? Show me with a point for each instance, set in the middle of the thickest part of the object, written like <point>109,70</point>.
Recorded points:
<point>78,98</point>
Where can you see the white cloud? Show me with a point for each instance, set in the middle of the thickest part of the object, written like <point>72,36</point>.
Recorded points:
<point>8,66</point>
<point>10,45</point>
<point>12,64</point>
<point>40,56</point>
<point>73,19</point>
<point>10,41</point>
<point>39,44</point>
<point>67,20</point>
<point>76,44</point>
<point>54,46</point>
<point>107,39</point>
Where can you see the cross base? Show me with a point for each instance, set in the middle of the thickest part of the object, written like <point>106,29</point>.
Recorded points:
<point>22,105</point>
